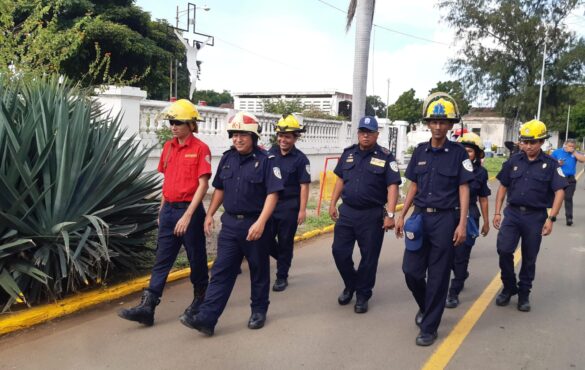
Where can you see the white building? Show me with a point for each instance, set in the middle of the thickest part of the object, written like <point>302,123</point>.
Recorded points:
<point>330,102</point>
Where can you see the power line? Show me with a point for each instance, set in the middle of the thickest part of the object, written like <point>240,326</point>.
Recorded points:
<point>387,28</point>
<point>257,54</point>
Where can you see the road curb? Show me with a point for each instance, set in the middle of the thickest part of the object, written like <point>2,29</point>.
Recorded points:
<point>37,315</point>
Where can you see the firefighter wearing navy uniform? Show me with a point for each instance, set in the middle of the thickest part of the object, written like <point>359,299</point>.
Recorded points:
<point>478,191</point>
<point>439,171</point>
<point>368,180</point>
<point>532,182</point>
<point>186,165</point>
<point>291,209</point>
<point>247,184</point>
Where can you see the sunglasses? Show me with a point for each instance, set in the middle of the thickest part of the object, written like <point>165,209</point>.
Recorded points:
<point>176,123</point>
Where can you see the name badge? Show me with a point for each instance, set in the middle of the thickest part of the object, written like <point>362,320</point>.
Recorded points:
<point>378,162</point>
<point>194,155</point>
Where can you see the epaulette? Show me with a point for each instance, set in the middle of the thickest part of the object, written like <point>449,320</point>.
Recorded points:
<point>350,147</point>
<point>421,144</point>
<point>229,150</point>
<point>384,150</point>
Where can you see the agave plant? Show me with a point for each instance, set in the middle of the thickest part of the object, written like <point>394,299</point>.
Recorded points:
<point>74,200</point>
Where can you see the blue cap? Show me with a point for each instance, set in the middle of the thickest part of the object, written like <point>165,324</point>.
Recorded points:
<point>368,123</point>
<point>413,230</point>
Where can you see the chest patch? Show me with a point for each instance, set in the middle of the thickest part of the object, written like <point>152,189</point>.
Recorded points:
<point>256,164</point>
<point>468,165</point>
<point>394,166</point>
<point>276,171</point>
<point>191,155</point>
<point>422,163</point>
<point>544,165</point>
<point>349,158</point>
<point>378,162</point>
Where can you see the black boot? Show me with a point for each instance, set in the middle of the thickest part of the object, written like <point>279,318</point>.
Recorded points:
<point>198,297</point>
<point>144,312</point>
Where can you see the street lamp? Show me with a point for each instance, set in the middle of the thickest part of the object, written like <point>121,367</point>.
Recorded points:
<point>542,75</point>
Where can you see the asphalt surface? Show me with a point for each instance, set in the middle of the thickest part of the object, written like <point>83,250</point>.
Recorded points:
<point>307,329</point>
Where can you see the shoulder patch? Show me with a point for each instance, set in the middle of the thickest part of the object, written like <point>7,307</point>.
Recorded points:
<point>276,171</point>
<point>560,172</point>
<point>270,156</point>
<point>467,165</point>
<point>394,166</point>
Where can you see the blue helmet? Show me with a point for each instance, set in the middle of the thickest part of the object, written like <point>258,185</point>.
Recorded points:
<point>368,123</point>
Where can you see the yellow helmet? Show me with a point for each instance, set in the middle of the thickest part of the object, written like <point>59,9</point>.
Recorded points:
<point>533,130</point>
<point>472,140</point>
<point>244,122</point>
<point>288,123</point>
<point>181,110</point>
<point>443,109</point>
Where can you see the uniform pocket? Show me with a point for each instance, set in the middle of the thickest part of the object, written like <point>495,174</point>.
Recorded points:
<point>447,177</point>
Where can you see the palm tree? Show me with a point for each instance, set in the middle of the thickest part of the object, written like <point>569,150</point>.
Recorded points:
<point>363,11</point>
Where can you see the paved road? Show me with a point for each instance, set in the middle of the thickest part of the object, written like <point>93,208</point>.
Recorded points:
<point>307,329</point>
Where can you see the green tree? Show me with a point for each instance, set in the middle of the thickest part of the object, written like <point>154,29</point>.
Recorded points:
<point>455,89</point>
<point>577,120</point>
<point>406,108</point>
<point>281,106</point>
<point>212,97</point>
<point>376,103</point>
<point>502,49</point>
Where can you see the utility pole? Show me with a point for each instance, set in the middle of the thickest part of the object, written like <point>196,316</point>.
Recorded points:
<point>171,79</point>
<point>387,97</point>
<point>542,77</point>
<point>567,129</point>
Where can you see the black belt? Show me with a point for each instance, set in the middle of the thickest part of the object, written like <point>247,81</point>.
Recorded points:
<point>434,210</point>
<point>525,208</point>
<point>242,216</point>
<point>179,205</point>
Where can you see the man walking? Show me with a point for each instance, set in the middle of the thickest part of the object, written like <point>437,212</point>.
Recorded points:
<point>567,158</point>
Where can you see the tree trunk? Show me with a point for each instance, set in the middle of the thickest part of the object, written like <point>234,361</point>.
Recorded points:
<point>364,19</point>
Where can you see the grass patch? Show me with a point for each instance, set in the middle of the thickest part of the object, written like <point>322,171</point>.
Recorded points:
<point>315,222</point>
<point>493,165</point>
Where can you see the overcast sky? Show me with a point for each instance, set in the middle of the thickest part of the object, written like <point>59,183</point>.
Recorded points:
<point>301,45</point>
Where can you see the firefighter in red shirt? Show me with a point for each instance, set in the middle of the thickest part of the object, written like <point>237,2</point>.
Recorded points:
<point>186,165</point>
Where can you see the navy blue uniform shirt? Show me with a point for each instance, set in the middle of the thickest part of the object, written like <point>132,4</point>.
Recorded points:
<point>478,187</point>
<point>438,172</point>
<point>532,183</point>
<point>295,170</point>
<point>366,176</point>
<point>246,180</point>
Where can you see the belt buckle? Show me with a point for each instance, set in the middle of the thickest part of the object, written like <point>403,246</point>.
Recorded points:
<point>431,210</point>
<point>239,217</point>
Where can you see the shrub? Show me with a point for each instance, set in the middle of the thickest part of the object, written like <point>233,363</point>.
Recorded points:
<point>74,201</point>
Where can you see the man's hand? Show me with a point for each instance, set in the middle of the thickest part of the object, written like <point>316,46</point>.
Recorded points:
<point>547,227</point>
<point>182,225</point>
<point>460,235</point>
<point>208,225</point>
<point>497,220</point>
<point>333,212</point>
<point>485,229</point>
<point>301,217</point>
<point>255,231</point>
<point>388,224</point>
<point>399,227</point>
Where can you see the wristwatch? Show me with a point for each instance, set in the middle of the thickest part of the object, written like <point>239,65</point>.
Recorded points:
<point>552,218</point>
<point>388,214</point>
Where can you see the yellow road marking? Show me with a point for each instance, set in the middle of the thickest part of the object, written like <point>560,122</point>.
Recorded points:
<point>441,357</point>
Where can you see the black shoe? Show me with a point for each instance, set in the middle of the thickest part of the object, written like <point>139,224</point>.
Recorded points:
<point>523,303</point>
<point>504,297</point>
<point>569,222</point>
<point>425,339</point>
<point>452,301</point>
<point>345,297</point>
<point>257,320</point>
<point>280,284</point>
<point>144,311</point>
<point>193,322</point>
<point>198,297</point>
<point>361,305</point>
<point>418,318</point>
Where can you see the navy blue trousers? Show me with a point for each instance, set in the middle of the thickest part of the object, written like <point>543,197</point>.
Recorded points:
<point>427,270</point>
<point>528,226</point>
<point>365,227</point>
<point>461,264</point>
<point>284,228</point>
<point>169,245</point>
<point>232,247</point>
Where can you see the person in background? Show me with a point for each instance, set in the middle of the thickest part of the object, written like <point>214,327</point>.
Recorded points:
<point>567,158</point>
<point>291,209</point>
<point>478,190</point>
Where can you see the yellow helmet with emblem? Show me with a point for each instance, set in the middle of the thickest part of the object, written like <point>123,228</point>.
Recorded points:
<point>533,130</point>
<point>244,122</point>
<point>473,141</point>
<point>440,106</point>
<point>288,123</point>
<point>181,110</point>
